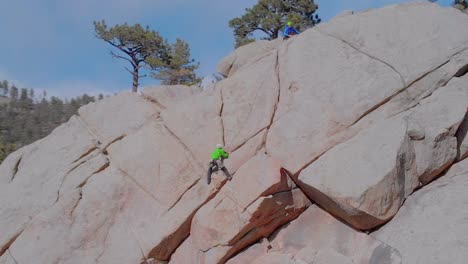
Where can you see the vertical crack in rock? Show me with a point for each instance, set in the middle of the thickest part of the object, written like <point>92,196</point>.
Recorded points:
<point>9,243</point>
<point>365,53</point>
<point>182,195</point>
<point>16,168</point>
<point>221,115</point>
<point>275,107</point>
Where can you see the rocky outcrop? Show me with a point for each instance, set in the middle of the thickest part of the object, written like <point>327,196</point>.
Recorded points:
<point>351,116</point>
<point>230,222</point>
<point>245,55</point>
<point>431,227</point>
<point>316,237</point>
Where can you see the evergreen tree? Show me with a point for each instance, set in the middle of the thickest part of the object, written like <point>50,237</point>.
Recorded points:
<point>180,68</point>
<point>270,17</point>
<point>137,45</point>
<point>24,119</point>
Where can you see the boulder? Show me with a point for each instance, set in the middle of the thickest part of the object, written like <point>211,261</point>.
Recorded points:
<point>197,123</point>
<point>249,100</point>
<point>34,175</point>
<point>245,55</point>
<point>439,117</point>
<point>410,52</point>
<point>316,237</point>
<point>166,96</point>
<point>431,226</point>
<point>318,103</point>
<point>366,179</point>
<point>116,116</point>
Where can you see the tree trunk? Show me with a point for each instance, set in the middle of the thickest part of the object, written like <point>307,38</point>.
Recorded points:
<point>135,80</point>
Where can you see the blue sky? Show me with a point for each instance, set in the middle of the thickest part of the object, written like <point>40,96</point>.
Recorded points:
<point>50,44</point>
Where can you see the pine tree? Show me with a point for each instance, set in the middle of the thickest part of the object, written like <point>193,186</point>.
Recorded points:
<point>180,68</point>
<point>137,45</point>
<point>270,17</point>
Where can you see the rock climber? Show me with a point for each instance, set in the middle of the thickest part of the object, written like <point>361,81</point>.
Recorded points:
<point>290,31</point>
<point>217,162</point>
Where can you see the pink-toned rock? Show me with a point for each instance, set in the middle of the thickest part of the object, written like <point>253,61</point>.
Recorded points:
<point>365,180</point>
<point>462,137</point>
<point>113,117</point>
<point>167,96</point>
<point>410,51</point>
<point>197,123</point>
<point>249,100</point>
<point>432,225</point>
<point>317,237</point>
<point>244,153</point>
<point>35,174</point>
<point>316,104</point>
<point>245,55</point>
<point>252,206</point>
<point>7,258</point>
<point>439,117</point>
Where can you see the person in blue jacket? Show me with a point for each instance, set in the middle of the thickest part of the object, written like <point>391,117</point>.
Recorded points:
<point>290,31</point>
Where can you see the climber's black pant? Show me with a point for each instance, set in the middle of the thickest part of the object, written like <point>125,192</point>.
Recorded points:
<point>214,166</point>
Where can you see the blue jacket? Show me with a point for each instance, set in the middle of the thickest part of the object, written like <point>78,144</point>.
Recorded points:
<point>290,31</point>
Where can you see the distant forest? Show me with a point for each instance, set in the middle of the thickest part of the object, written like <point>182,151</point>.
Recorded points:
<point>26,117</point>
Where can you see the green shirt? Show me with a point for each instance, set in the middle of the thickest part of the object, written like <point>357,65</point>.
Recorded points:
<point>219,153</point>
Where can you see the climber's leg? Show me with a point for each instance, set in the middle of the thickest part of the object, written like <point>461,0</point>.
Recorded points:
<point>226,172</point>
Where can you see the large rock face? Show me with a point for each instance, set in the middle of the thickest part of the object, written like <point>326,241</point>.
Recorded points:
<point>431,227</point>
<point>353,116</point>
<point>316,237</point>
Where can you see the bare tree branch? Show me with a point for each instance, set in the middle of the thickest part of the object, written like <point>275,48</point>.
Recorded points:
<point>128,70</point>
<point>121,57</point>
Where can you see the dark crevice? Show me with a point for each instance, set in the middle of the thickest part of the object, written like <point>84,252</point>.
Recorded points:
<point>16,168</point>
<point>119,138</point>
<point>228,72</point>
<point>221,115</point>
<point>89,151</point>
<point>275,107</point>
<point>65,177</point>
<point>461,72</point>
<point>101,169</point>
<point>9,243</point>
